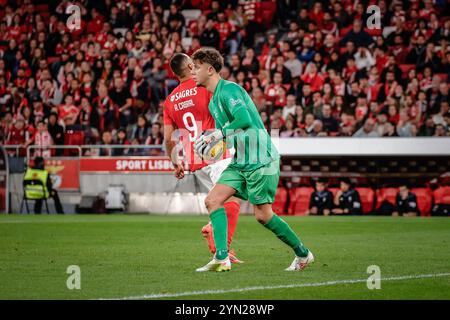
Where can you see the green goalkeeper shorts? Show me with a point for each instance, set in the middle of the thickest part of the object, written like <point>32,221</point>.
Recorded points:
<point>258,186</point>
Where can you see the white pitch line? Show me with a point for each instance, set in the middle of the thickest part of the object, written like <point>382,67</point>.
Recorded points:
<point>286,286</point>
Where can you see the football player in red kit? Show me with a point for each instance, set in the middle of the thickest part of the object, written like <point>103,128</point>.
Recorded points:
<point>186,117</point>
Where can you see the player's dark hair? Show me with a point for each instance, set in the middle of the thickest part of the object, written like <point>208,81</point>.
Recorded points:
<point>177,62</point>
<point>346,181</point>
<point>322,180</point>
<point>404,184</point>
<point>210,56</point>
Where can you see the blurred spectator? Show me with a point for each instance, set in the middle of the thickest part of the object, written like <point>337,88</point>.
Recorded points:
<point>210,36</point>
<point>406,203</point>
<point>330,124</point>
<point>347,199</point>
<point>141,130</point>
<point>42,139</point>
<point>56,131</point>
<point>440,131</point>
<point>358,36</point>
<point>321,200</point>
<point>155,138</point>
<point>364,59</point>
<point>293,64</point>
<point>107,139</point>
<point>123,141</point>
<point>121,97</point>
<point>312,77</point>
<point>99,78</point>
<point>318,129</point>
<point>289,130</point>
<point>68,112</point>
<point>250,63</point>
<point>290,107</point>
<point>404,126</point>
<point>390,130</point>
<point>17,134</point>
<point>367,130</point>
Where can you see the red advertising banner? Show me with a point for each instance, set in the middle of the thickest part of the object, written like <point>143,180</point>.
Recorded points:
<point>64,173</point>
<point>126,164</point>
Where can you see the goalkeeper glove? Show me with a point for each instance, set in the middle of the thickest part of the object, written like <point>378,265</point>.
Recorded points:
<point>207,137</point>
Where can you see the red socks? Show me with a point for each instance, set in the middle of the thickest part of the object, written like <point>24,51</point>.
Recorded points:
<point>232,209</point>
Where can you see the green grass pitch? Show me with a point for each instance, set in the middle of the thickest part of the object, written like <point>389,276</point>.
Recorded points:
<point>141,256</point>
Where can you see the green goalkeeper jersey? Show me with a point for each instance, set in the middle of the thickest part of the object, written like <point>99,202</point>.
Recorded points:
<point>253,146</point>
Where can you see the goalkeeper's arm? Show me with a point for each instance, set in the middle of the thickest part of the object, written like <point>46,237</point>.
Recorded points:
<point>241,121</point>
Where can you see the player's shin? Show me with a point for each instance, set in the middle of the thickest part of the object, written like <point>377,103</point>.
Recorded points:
<point>232,209</point>
<point>219,223</point>
<point>284,232</point>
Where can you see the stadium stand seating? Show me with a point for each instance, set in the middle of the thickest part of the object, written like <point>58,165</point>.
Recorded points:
<point>73,138</point>
<point>367,196</point>
<point>281,199</point>
<point>442,195</point>
<point>299,200</point>
<point>386,194</point>
<point>424,200</point>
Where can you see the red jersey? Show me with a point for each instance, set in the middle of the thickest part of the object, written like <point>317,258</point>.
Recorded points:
<point>186,108</point>
<point>225,29</point>
<point>66,111</point>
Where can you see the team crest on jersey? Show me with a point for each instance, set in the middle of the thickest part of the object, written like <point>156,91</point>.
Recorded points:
<point>235,101</point>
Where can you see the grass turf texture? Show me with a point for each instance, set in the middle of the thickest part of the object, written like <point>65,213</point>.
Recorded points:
<point>122,256</point>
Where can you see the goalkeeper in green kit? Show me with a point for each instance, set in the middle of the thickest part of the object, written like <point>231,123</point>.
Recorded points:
<point>254,171</point>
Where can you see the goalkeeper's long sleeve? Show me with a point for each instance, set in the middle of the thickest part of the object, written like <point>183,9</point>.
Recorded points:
<point>241,121</point>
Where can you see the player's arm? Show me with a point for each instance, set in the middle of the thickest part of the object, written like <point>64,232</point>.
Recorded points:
<point>241,121</point>
<point>172,151</point>
<point>233,101</point>
<point>169,129</point>
<point>171,144</point>
<point>127,105</point>
<point>337,203</point>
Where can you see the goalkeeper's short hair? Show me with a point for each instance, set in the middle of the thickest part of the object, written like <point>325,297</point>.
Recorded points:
<point>210,56</point>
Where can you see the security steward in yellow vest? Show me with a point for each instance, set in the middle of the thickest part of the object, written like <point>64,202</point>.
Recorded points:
<point>38,172</point>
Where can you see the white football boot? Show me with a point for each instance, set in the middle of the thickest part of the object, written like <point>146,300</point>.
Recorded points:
<point>216,265</point>
<point>300,263</point>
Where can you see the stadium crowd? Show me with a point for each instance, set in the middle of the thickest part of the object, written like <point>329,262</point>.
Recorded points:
<point>313,68</point>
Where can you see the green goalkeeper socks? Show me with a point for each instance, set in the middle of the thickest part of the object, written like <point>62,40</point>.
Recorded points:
<point>285,234</point>
<point>220,230</point>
